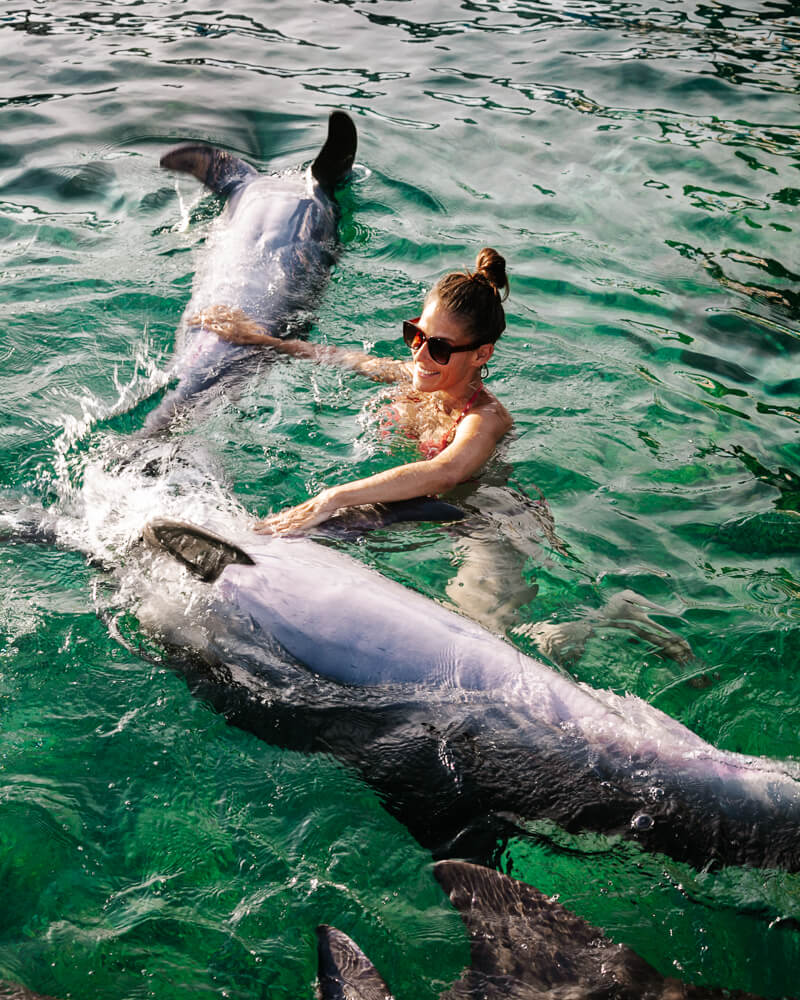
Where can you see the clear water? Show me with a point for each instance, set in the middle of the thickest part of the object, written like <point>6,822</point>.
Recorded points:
<point>638,166</point>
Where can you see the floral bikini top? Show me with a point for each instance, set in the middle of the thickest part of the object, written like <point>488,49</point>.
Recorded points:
<point>429,449</point>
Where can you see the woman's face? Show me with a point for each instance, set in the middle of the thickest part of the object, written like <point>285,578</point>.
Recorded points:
<point>428,376</point>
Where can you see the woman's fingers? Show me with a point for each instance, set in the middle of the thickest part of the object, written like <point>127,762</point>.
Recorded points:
<point>286,524</point>
<point>228,322</point>
<point>293,520</point>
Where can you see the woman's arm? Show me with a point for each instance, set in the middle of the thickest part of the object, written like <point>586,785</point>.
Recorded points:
<point>473,444</point>
<point>236,326</point>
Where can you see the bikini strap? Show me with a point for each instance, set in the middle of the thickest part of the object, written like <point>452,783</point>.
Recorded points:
<point>469,405</point>
<point>448,437</point>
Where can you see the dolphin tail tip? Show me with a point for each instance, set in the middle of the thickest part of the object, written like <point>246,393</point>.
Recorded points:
<point>218,170</point>
<point>202,552</point>
<point>335,160</point>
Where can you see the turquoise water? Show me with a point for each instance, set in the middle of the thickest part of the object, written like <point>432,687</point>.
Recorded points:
<point>638,166</point>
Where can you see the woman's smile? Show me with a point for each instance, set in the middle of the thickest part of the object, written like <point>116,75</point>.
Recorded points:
<point>427,374</point>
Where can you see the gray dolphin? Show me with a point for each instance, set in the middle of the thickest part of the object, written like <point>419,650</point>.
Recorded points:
<point>16,991</point>
<point>458,730</point>
<point>269,254</point>
<point>523,946</point>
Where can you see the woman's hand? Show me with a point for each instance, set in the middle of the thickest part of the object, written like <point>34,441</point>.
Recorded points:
<point>295,520</point>
<point>232,324</point>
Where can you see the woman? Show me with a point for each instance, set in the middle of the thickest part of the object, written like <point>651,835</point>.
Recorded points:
<point>443,404</point>
<point>442,401</point>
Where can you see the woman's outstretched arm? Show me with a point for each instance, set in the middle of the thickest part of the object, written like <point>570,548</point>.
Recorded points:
<point>474,442</point>
<point>235,325</point>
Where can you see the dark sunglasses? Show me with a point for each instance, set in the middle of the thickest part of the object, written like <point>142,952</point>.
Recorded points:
<point>439,349</point>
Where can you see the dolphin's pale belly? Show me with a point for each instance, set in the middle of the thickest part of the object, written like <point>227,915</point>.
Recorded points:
<point>205,359</point>
<point>357,628</point>
<point>269,255</point>
<point>308,648</point>
<point>351,625</point>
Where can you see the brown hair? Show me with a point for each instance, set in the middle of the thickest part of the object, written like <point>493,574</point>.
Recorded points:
<point>477,296</point>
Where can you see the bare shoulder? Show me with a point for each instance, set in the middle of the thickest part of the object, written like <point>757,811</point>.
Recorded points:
<point>492,412</point>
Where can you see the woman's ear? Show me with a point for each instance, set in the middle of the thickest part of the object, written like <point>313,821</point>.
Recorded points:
<point>483,353</point>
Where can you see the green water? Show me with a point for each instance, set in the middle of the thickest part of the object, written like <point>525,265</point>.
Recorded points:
<point>638,166</point>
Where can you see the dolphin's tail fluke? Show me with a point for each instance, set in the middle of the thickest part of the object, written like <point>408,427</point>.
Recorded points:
<point>201,552</point>
<point>335,160</point>
<point>344,971</point>
<point>218,170</point>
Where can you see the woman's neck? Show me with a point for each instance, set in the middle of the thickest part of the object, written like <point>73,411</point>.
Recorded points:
<point>457,398</point>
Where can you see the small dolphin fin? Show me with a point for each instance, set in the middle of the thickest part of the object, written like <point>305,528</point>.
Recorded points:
<point>201,552</point>
<point>218,170</point>
<point>335,160</point>
<point>350,522</point>
<point>344,971</point>
<point>525,944</point>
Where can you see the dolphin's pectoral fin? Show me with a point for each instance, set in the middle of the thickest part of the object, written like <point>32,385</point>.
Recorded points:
<point>353,521</point>
<point>523,943</point>
<point>344,971</point>
<point>335,160</point>
<point>201,552</point>
<point>218,170</point>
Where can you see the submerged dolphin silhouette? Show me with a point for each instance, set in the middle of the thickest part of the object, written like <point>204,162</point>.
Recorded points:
<point>16,991</point>
<point>523,946</point>
<point>269,254</point>
<point>456,728</point>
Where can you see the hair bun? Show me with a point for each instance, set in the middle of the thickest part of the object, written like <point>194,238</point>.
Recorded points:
<point>492,266</point>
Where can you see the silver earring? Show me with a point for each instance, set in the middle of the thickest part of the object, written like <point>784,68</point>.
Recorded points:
<point>484,371</point>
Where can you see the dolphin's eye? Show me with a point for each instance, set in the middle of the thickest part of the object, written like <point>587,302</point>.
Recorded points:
<point>642,821</point>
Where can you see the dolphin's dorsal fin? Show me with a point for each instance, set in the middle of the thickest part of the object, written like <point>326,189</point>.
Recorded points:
<point>218,170</point>
<point>335,160</point>
<point>525,944</point>
<point>201,552</point>
<point>344,971</point>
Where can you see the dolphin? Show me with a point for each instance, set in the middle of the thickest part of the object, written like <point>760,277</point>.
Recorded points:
<point>16,991</point>
<point>464,737</point>
<point>523,946</point>
<point>269,254</point>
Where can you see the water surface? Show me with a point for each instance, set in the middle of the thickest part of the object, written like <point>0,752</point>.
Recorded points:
<point>638,167</point>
